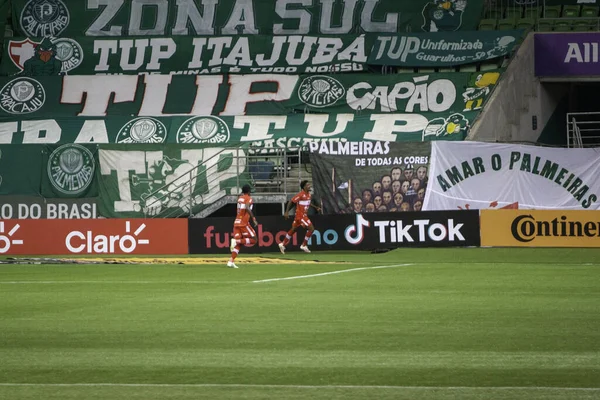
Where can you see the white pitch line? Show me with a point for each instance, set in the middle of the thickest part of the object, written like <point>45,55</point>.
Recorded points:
<point>114,282</point>
<point>329,273</point>
<point>273,386</point>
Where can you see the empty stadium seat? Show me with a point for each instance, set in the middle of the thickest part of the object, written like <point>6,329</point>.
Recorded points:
<point>564,25</point>
<point>583,25</point>
<point>261,170</point>
<point>489,65</point>
<point>447,69</point>
<point>514,12</point>
<point>525,23</point>
<point>488,24</point>
<point>551,12</point>
<point>571,11</point>
<point>545,25</point>
<point>532,12</point>
<point>589,11</point>
<point>507,24</point>
<point>468,68</point>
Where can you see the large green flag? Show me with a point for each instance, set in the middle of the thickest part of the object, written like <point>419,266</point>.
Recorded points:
<point>41,18</point>
<point>21,169</point>
<point>184,55</point>
<point>261,131</point>
<point>440,48</point>
<point>167,181</point>
<point>227,95</point>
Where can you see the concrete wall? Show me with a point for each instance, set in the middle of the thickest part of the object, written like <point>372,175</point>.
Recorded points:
<point>507,115</point>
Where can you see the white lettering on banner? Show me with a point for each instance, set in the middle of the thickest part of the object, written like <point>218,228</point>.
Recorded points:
<point>302,15</point>
<point>110,8</point>
<point>161,9</point>
<point>475,176</point>
<point>317,122</point>
<point>100,88</point>
<point>99,91</point>
<point>47,210</point>
<point>157,86</point>
<point>50,134</point>
<point>400,48</point>
<point>350,148</point>
<point>88,242</point>
<point>123,162</point>
<point>200,16</point>
<point>259,126</point>
<point>386,124</point>
<point>236,51</point>
<point>74,211</point>
<point>240,94</point>
<point>420,94</point>
<point>588,55</point>
<point>188,12</point>
<point>396,231</point>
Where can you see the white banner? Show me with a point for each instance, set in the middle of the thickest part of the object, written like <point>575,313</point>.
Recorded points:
<point>472,175</point>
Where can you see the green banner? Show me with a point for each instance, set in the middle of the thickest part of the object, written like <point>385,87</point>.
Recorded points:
<point>264,131</point>
<point>440,49</point>
<point>41,18</point>
<point>168,181</point>
<point>50,171</point>
<point>226,95</point>
<point>184,55</point>
<point>21,169</point>
<point>370,176</point>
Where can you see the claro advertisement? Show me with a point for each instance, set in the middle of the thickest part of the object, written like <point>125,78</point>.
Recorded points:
<point>540,228</point>
<point>97,236</point>
<point>366,231</point>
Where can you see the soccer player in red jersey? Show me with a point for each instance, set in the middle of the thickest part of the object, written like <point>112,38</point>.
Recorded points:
<point>243,233</point>
<point>303,202</point>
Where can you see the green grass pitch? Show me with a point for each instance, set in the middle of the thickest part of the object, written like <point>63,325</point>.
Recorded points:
<point>454,324</point>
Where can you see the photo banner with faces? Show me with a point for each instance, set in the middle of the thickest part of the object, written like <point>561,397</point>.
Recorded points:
<point>369,176</point>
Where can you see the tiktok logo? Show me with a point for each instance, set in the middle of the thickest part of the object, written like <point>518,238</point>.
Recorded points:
<point>355,233</point>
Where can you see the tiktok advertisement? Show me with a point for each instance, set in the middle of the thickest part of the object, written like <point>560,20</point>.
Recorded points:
<point>364,231</point>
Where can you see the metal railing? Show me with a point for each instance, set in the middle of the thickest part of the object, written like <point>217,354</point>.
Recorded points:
<point>216,180</point>
<point>583,129</point>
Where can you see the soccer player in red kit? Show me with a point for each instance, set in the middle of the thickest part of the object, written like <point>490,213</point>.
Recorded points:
<point>303,202</point>
<point>243,233</point>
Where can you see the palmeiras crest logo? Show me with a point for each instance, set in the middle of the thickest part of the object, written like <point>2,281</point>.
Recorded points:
<point>71,169</point>
<point>206,129</point>
<point>22,96</point>
<point>43,18</point>
<point>33,54</point>
<point>142,130</point>
<point>320,91</point>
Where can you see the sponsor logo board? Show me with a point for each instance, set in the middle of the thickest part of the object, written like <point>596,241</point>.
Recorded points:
<point>365,231</point>
<point>101,236</point>
<point>540,228</point>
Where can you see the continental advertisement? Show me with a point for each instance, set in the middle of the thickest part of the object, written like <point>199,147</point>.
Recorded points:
<point>540,228</point>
